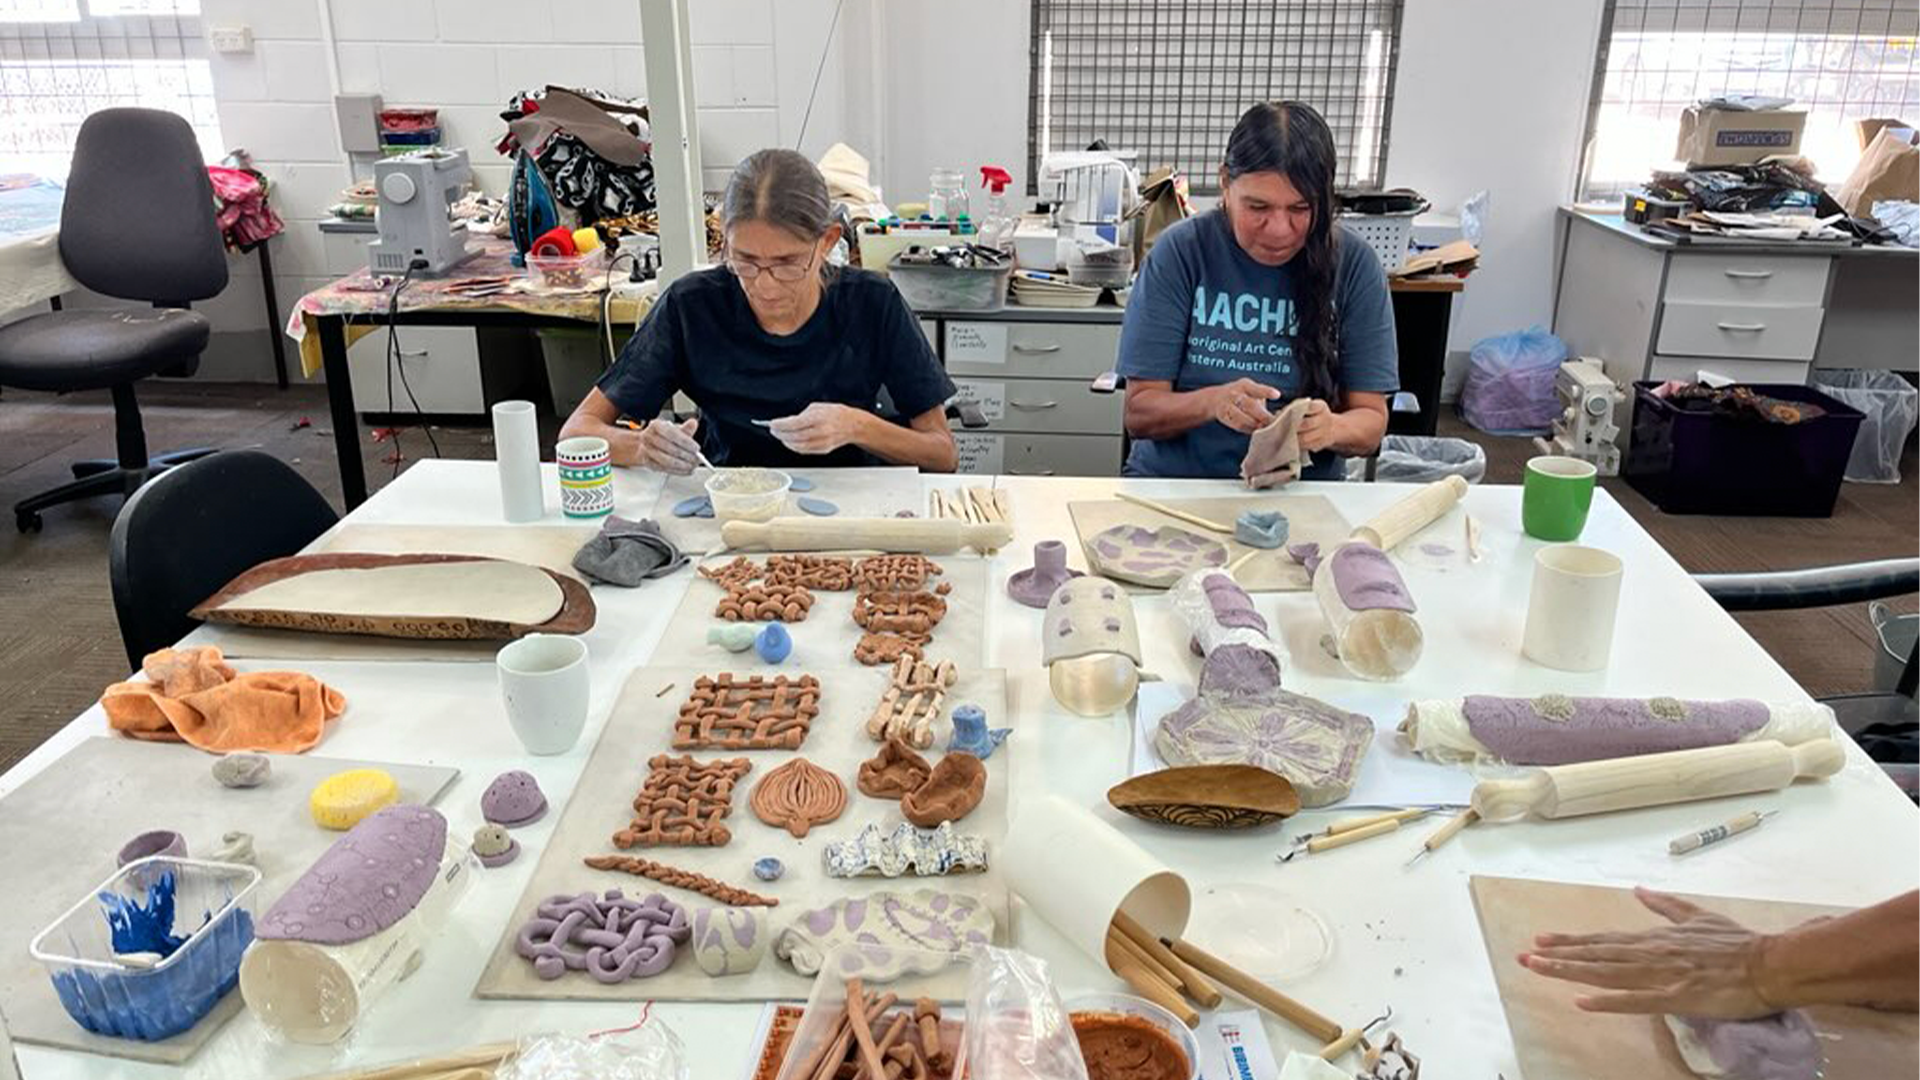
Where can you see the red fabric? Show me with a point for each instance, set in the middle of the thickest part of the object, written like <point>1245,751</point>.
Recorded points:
<point>244,217</point>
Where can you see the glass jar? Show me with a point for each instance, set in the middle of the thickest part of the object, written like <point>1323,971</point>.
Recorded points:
<point>946,195</point>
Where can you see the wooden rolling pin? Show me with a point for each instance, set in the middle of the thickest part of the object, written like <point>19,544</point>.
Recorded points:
<point>1598,787</point>
<point>1408,516</point>
<point>927,536</point>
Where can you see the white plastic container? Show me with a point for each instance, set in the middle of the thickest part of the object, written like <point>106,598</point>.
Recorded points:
<point>516,452</point>
<point>828,1000</point>
<point>1571,610</point>
<point>952,288</point>
<point>1128,1005</point>
<point>748,494</point>
<point>587,271</point>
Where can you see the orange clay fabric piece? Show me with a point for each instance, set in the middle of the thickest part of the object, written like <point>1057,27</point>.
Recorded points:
<point>193,696</point>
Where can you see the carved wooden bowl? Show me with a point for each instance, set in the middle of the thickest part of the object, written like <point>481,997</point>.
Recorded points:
<point>1208,797</point>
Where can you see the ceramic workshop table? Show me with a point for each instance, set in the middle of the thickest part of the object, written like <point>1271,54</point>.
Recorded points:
<point>1408,939</point>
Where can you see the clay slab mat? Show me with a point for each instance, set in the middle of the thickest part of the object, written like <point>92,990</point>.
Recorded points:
<point>67,823</point>
<point>640,726</point>
<point>1553,1038</point>
<point>1310,519</point>
<point>826,639</point>
<point>865,492</point>
<point>549,546</point>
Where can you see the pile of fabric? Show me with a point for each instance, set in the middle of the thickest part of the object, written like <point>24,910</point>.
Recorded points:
<point>1736,401</point>
<point>193,696</point>
<point>592,149</point>
<point>240,199</point>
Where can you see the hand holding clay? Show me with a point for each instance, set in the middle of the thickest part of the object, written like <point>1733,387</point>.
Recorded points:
<point>1318,427</point>
<point>820,428</point>
<point>1242,404</point>
<point>1702,965</point>
<point>669,448</point>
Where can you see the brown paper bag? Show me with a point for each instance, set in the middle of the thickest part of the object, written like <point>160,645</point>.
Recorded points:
<point>1163,201</point>
<point>1890,169</point>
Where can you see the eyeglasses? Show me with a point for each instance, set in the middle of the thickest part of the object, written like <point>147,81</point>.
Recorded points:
<point>788,272</point>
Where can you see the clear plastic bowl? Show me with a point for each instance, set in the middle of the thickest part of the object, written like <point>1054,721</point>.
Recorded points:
<point>1128,1005</point>
<point>568,271</point>
<point>213,909</point>
<point>752,494</point>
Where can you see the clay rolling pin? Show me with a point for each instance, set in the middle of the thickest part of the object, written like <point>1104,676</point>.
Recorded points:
<point>1411,514</point>
<point>927,536</point>
<point>1597,787</point>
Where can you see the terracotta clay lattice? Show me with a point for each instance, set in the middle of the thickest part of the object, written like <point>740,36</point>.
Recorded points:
<point>683,803</point>
<point>894,573</point>
<point>911,703</point>
<point>797,796</point>
<point>738,572</point>
<point>730,895</point>
<point>876,649</point>
<point>730,712</point>
<point>765,603</point>
<point>822,573</point>
<point>910,614</point>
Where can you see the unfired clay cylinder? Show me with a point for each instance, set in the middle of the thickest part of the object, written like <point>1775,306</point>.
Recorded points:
<point>1091,646</point>
<point>1376,643</point>
<point>1076,871</point>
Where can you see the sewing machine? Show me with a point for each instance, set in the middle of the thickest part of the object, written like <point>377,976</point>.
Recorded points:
<point>417,192</point>
<point>1585,428</point>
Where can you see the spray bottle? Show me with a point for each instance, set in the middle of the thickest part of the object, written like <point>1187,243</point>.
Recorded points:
<point>996,228</point>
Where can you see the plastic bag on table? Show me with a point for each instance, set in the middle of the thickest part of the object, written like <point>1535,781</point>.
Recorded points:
<point>1016,1027</point>
<point>1509,387</point>
<point>652,1051</point>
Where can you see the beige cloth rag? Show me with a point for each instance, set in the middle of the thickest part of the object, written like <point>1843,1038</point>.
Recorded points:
<point>847,175</point>
<point>1273,453</point>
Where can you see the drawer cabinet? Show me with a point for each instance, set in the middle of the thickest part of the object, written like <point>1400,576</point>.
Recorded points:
<point>1687,368</point>
<point>1037,350</point>
<point>1043,405</point>
<point>1017,454</point>
<point>1740,331</point>
<point>442,365</point>
<point>1031,378</point>
<point>1732,278</point>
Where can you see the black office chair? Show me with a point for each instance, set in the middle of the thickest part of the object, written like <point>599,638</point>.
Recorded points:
<point>197,527</point>
<point>137,224</point>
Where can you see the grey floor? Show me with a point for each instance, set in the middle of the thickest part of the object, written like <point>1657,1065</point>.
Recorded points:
<point>59,646</point>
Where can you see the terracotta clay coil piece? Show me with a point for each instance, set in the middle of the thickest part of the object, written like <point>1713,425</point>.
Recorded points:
<point>1208,797</point>
<point>911,702</point>
<point>894,573</point>
<point>732,712</point>
<point>683,803</point>
<point>822,573</point>
<point>738,572</point>
<point>952,790</point>
<point>893,772</point>
<point>797,796</point>
<point>730,895</point>
<point>765,603</point>
<point>875,649</point>
<point>905,613</point>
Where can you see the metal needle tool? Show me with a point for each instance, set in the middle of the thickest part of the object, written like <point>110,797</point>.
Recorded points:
<point>1695,841</point>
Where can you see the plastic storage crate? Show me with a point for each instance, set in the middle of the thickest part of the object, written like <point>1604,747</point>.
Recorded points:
<point>1700,463</point>
<point>1389,235</point>
<point>950,288</point>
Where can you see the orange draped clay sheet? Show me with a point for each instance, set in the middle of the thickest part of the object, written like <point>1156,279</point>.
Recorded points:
<point>193,696</point>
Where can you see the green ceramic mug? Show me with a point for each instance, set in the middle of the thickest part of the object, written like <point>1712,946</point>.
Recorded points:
<point>1557,495</point>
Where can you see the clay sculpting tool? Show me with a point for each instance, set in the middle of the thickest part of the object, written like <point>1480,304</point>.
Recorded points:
<point>1599,787</point>
<point>1178,515</point>
<point>1258,993</point>
<point>1445,833</point>
<point>1353,1037</point>
<point>1695,841</point>
<point>1349,824</point>
<point>1318,844</point>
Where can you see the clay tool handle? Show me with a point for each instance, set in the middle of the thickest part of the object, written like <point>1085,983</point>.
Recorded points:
<point>480,1056</point>
<point>1195,984</point>
<point>1255,991</point>
<point>1347,1041</point>
<point>1695,841</point>
<point>1352,823</point>
<point>1353,836</point>
<point>926,536</point>
<point>1151,988</point>
<point>1599,787</point>
<point>1177,515</point>
<point>1446,832</point>
<point>1389,527</point>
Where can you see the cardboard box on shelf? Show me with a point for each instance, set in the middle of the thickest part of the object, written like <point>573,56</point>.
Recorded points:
<point>1865,130</point>
<point>1737,137</point>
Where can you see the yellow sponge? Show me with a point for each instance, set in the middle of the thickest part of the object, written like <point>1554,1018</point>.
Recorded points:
<point>586,240</point>
<point>341,800</point>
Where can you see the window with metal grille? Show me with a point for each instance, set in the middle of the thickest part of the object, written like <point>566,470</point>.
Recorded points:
<point>1169,79</point>
<point>1841,60</point>
<point>63,59</point>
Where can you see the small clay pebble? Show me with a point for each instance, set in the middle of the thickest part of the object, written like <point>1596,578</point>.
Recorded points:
<point>773,643</point>
<point>800,484</point>
<point>242,770</point>
<point>818,507</point>
<point>694,506</point>
<point>768,869</point>
<point>513,799</point>
<point>235,847</point>
<point>904,514</point>
<point>493,846</point>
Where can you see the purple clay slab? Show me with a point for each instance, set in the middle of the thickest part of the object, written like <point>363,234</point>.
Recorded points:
<point>818,507</point>
<point>1153,556</point>
<point>367,881</point>
<point>694,506</point>
<point>1367,580</point>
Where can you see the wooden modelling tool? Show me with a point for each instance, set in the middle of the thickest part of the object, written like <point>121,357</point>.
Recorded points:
<point>1415,512</point>
<point>1599,787</point>
<point>1177,515</point>
<point>1445,833</point>
<point>1257,992</point>
<point>923,535</point>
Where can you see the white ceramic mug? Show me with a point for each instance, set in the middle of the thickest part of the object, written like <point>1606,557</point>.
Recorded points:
<point>1570,614</point>
<point>543,678</point>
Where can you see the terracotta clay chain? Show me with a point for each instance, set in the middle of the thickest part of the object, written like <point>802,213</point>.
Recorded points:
<point>712,888</point>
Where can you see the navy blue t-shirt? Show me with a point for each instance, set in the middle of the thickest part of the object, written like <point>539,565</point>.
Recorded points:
<point>701,339</point>
<point>1204,313</point>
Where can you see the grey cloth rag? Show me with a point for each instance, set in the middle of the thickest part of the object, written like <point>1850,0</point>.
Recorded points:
<point>627,553</point>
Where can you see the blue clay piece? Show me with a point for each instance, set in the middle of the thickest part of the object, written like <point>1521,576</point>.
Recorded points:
<point>694,506</point>
<point>971,735</point>
<point>768,869</point>
<point>773,643</point>
<point>800,484</point>
<point>818,507</point>
<point>1261,528</point>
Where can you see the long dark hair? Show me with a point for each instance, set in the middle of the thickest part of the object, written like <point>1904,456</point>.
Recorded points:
<point>1290,138</point>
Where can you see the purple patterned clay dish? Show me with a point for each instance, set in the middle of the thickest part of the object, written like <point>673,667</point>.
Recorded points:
<point>1157,557</point>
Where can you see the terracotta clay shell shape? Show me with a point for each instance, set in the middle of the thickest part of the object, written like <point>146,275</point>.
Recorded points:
<point>797,796</point>
<point>1208,797</point>
<point>950,793</point>
<point>893,772</point>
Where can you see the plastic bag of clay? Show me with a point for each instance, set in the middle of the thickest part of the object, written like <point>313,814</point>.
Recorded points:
<point>1016,1027</point>
<point>1509,387</point>
<point>649,1051</point>
<point>902,1021</point>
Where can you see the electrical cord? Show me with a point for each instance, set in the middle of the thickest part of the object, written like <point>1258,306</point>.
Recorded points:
<point>395,359</point>
<point>606,307</point>
<point>825,48</point>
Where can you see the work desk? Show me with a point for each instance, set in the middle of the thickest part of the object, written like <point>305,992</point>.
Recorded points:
<point>1404,938</point>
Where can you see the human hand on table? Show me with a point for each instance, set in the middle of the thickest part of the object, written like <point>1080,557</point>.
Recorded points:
<point>820,428</point>
<point>669,447</point>
<point>1702,965</point>
<point>1318,426</point>
<point>1242,404</point>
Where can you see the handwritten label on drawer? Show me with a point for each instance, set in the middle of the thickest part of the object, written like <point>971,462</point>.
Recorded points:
<point>980,454</point>
<point>991,397</point>
<point>976,343</point>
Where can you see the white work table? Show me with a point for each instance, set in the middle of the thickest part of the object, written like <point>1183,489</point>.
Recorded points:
<point>1401,938</point>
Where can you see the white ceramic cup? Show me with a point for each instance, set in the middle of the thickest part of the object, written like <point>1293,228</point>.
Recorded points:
<point>543,678</point>
<point>1570,614</point>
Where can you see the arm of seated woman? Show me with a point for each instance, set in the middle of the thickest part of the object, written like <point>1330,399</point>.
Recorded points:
<point>1355,430</point>
<point>660,444</point>
<point>823,427</point>
<point>1155,410</point>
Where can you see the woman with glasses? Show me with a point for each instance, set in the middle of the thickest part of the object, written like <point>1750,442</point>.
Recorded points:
<point>785,356</point>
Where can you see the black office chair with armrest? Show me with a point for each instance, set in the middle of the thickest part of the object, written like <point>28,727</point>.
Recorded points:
<point>197,527</point>
<point>137,224</point>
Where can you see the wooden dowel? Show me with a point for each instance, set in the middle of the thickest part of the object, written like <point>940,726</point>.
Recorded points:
<point>1196,985</point>
<point>1180,515</point>
<point>1347,1041</point>
<point>1157,992</point>
<point>827,1058</point>
<point>1127,951</point>
<point>1451,829</point>
<point>863,1031</point>
<point>1255,991</point>
<point>1361,822</point>
<point>487,1055</point>
<point>1234,566</point>
<point>1352,836</point>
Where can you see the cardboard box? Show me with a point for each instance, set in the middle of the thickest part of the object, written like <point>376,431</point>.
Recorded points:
<point>1867,129</point>
<point>1734,137</point>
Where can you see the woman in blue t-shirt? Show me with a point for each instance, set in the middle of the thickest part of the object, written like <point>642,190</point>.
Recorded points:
<point>785,356</point>
<point>1239,310</point>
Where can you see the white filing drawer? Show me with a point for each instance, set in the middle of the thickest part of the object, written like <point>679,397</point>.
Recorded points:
<point>1687,368</point>
<point>931,328</point>
<point>1031,349</point>
<point>984,453</point>
<point>442,364</point>
<point>1741,331</point>
<point>1729,277</point>
<point>1043,405</point>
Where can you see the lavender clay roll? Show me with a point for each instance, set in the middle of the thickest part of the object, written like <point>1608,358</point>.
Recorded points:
<point>1369,611</point>
<point>1555,729</point>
